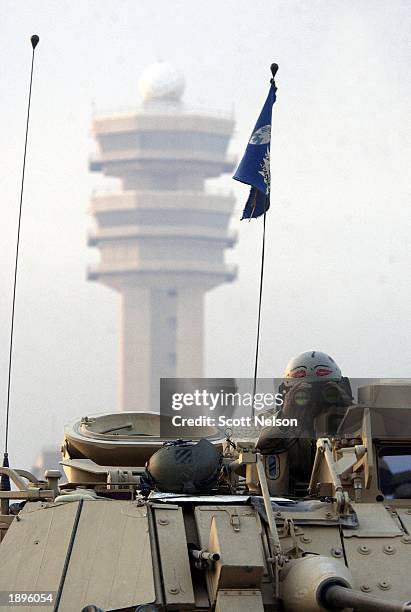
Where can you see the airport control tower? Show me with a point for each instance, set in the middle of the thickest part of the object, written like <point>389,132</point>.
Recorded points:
<point>162,237</point>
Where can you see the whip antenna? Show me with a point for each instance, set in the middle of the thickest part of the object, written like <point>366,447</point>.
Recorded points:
<point>4,481</point>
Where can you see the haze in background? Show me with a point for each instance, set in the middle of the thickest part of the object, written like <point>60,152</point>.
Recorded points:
<point>338,252</point>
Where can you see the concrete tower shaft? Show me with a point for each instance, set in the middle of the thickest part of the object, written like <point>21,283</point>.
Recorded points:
<point>162,237</point>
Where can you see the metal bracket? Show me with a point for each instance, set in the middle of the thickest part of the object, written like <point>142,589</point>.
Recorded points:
<point>24,491</point>
<point>235,521</point>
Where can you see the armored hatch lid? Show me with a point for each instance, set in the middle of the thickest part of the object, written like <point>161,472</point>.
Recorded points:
<point>392,393</point>
<point>387,422</point>
<point>124,438</point>
<point>129,427</point>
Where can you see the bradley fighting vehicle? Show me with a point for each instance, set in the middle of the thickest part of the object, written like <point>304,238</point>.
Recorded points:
<point>149,523</point>
<point>145,523</point>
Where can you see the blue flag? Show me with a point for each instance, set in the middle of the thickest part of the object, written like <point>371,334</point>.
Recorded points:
<point>254,168</point>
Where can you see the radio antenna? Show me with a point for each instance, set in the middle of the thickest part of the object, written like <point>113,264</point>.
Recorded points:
<point>4,481</point>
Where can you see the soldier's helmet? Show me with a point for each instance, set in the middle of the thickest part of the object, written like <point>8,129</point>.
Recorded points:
<point>311,367</point>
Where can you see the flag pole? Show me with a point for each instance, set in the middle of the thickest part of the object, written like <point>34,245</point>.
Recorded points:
<point>257,344</point>
<point>274,69</point>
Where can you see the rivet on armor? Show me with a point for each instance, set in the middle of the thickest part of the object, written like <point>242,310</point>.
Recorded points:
<point>363,550</point>
<point>384,585</point>
<point>174,590</point>
<point>389,550</point>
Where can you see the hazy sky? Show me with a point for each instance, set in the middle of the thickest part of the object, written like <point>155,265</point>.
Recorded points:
<point>338,253</point>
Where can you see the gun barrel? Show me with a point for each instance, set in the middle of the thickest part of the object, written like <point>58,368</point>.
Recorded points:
<point>337,597</point>
<point>205,555</point>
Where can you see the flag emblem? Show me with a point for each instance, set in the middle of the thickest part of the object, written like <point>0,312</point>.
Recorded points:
<point>261,136</point>
<point>265,171</point>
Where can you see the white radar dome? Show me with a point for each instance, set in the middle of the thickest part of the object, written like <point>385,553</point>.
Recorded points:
<point>161,80</point>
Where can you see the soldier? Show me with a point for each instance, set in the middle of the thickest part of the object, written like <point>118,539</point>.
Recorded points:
<point>317,395</point>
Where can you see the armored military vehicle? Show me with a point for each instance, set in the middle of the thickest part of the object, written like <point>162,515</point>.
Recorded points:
<point>148,524</point>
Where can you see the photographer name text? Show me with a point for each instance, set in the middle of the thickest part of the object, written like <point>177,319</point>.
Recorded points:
<point>223,421</point>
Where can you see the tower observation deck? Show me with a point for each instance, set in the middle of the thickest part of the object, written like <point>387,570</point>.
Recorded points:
<point>162,237</point>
